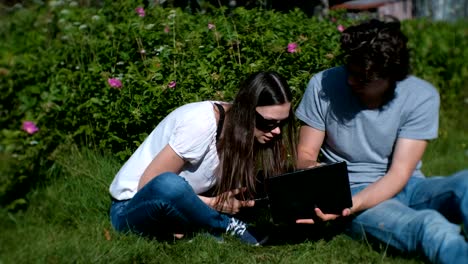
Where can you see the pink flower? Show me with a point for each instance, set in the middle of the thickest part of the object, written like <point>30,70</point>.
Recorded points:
<point>166,29</point>
<point>211,26</point>
<point>172,84</point>
<point>29,127</point>
<point>292,47</point>
<point>140,11</point>
<point>114,83</point>
<point>333,20</point>
<point>340,28</point>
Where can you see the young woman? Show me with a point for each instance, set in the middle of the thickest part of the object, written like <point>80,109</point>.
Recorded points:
<point>206,146</point>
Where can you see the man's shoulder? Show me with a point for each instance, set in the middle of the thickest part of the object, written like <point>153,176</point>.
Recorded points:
<point>417,86</point>
<point>329,79</point>
<point>334,72</point>
<point>415,93</point>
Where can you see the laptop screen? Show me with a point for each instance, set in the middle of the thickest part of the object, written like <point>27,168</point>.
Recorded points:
<point>294,195</point>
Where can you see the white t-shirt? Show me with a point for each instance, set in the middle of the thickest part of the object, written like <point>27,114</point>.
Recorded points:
<point>190,130</point>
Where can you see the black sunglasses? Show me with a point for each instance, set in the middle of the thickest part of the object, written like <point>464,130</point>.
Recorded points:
<point>267,125</point>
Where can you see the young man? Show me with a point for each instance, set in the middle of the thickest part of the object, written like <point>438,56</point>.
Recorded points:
<point>373,115</point>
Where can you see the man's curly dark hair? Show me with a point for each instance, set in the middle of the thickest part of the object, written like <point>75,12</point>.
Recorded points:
<point>379,48</point>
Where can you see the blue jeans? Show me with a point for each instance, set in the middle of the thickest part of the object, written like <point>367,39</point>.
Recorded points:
<point>166,205</point>
<point>424,217</point>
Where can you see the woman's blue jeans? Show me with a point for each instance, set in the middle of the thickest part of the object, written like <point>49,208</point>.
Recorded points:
<point>424,217</point>
<point>166,205</point>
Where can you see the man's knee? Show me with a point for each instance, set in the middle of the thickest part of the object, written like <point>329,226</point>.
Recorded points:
<point>428,221</point>
<point>433,228</point>
<point>437,236</point>
<point>406,227</point>
<point>459,184</point>
<point>461,178</point>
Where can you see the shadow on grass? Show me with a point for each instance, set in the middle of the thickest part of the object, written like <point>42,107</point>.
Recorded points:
<point>295,234</point>
<point>280,234</point>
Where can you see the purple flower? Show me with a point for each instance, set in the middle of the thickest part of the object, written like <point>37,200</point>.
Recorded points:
<point>114,82</point>
<point>172,84</point>
<point>140,11</point>
<point>166,29</point>
<point>29,127</point>
<point>292,47</point>
<point>340,28</point>
<point>211,26</point>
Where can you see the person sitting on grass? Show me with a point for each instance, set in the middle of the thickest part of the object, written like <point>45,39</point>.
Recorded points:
<point>375,116</point>
<point>206,146</point>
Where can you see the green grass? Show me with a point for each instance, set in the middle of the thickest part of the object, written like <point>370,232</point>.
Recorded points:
<point>67,220</point>
<point>449,153</point>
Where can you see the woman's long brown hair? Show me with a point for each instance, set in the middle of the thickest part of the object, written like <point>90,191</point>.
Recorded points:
<point>241,156</point>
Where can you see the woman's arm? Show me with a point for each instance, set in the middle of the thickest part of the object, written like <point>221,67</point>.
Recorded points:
<point>166,161</point>
<point>231,206</point>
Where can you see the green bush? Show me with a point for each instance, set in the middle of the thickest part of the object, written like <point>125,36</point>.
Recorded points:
<point>56,60</point>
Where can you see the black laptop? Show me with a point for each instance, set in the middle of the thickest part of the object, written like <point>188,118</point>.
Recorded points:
<point>294,195</point>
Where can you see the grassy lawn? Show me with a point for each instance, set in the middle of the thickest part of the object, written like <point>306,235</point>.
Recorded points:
<point>54,66</point>
<point>67,220</point>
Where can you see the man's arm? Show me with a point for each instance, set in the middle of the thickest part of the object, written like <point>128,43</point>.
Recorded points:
<point>407,154</point>
<point>308,149</point>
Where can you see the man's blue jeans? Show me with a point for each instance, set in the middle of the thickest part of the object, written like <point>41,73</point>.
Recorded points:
<point>424,217</point>
<point>166,205</point>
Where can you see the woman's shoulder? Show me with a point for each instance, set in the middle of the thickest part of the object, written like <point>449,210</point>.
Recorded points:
<point>194,130</point>
<point>200,106</point>
<point>196,110</point>
<point>197,116</point>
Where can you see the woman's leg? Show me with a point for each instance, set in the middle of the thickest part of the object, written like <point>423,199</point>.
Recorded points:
<point>166,203</point>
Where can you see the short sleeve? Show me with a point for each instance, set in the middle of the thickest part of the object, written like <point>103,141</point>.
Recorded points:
<point>193,134</point>
<point>422,121</point>
<point>311,109</point>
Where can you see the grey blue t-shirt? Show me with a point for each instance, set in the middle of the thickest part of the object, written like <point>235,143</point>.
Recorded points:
<point>365,138</point>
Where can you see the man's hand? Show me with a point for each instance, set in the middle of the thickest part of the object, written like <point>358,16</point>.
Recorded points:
<point>324,217</point>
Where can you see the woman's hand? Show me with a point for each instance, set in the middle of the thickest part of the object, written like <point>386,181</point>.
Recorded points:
<point>232,205</point>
